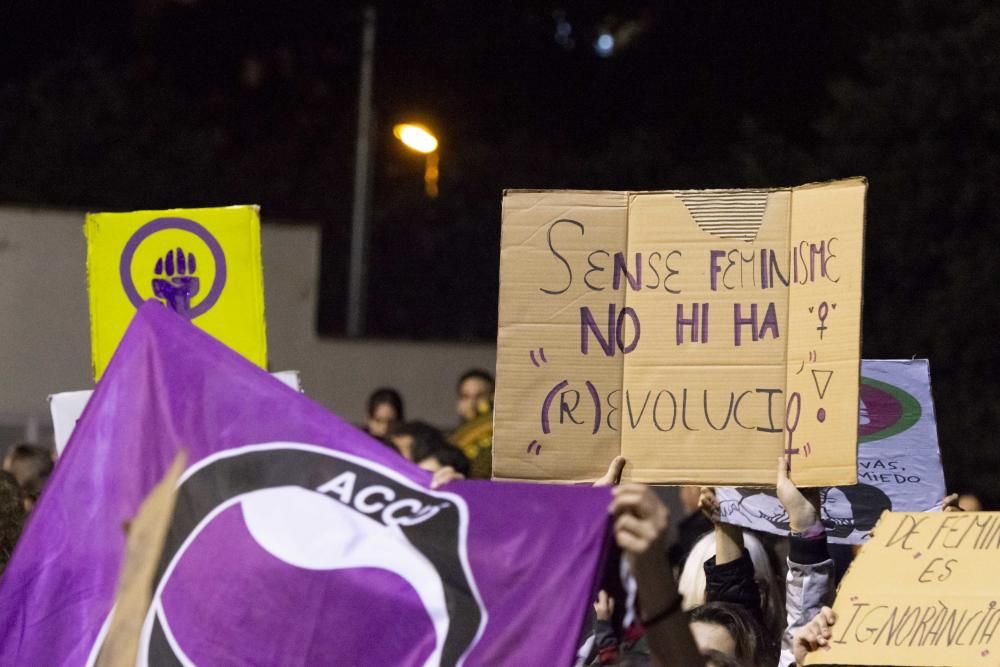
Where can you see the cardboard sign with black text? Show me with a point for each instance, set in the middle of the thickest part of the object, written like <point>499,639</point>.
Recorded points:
<point>924,591</point>
<point>700,334</point>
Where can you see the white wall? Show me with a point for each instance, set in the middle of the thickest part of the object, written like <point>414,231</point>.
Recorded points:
<point>45,330</point>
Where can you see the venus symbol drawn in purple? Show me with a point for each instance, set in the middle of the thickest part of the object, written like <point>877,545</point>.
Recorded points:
<point>176,283</point>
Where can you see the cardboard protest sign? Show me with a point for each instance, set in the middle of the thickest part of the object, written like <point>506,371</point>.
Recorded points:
<point>923,591</point>
<point>899,463</point>
<point>700,334</point>
<point>203,263</point>
<point>143,546</point>
<point>287,519</point>
<point>67,406</point>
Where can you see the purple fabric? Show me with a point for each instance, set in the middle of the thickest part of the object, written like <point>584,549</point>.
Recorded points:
<point>255,610</point>
<point>531,552</point>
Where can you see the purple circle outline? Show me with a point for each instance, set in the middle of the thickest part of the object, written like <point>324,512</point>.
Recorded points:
<point>187,225</point>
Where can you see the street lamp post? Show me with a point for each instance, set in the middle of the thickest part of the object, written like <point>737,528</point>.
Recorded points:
<point>358,271</point>
<point>412,135</point>
<point>419,138</point>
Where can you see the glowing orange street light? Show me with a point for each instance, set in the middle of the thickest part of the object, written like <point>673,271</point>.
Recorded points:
<point>419,138</point>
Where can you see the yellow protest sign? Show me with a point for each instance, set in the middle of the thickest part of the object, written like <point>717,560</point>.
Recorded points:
<point>923,591</point>
<point>202,263</point>
<point>699,334</point>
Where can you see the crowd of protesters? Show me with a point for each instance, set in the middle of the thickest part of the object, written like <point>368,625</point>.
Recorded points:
<point>714,595</point>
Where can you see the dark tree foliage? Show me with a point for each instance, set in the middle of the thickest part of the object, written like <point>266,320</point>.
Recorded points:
<point>923,122</point>
<point>920,117</point>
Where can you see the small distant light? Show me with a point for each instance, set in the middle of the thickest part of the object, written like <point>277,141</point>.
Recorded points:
<point>564,34</point>
<point>605,45</point>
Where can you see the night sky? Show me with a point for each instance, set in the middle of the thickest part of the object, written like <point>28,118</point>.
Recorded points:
<point>117,106</point>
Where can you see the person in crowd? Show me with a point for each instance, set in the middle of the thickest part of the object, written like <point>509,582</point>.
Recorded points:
<point>722,633</point>
<point>12,515</point>
<point>427,447</point>
<point>31,466</point>
<point>731,627</point>
<point>475,394</point>
<point>640,529</point>
<point>692,576</point>
<point>730,630</point>
<point>810,588</point>
<point>446,456</point>
<point>810,576</point>
<point>474,434</point>
<point>734,579</point>
<point>719,659</point>
<point>385,410</point>
<point>404,436</point>
<point>432,451</point>
<point>733,565</point>
<point>605,639</point>
<point>811,570</point>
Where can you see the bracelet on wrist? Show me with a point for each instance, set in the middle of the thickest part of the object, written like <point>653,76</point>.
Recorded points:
<point>813,532</point>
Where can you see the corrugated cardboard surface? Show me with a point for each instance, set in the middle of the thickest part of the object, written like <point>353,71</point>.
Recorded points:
<point>698,411</point>
<point>923,591</point>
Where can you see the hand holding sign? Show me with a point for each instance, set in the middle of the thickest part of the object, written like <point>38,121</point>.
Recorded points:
<point>614,473</point>
<point>923,592</point>
<point>803,511</point>
<point>445,475</point>
<point>641,520</point>
<point>815,635</point>
<point>709,504</point>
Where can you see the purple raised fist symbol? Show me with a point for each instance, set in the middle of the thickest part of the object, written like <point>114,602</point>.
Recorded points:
<point>175,283</point>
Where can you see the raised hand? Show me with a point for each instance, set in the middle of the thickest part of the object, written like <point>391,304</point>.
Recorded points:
<point>641,519</point>
<point>728,537</point>
<point>709,504</point>
<point>802,507</point>
<point>176,283</point>
<point>814,635</point>
<point>444,475</point>
<point>950,504</point>
<point>604,607</point>
<point>641,522</point>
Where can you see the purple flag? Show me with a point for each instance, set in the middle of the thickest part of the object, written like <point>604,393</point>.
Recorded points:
<point>297,539</point>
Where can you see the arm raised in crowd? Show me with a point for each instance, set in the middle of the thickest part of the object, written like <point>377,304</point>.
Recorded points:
<point>640,529</point>
<point>809,583</point>
<point>729,545</point>
<point>729,575</point>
